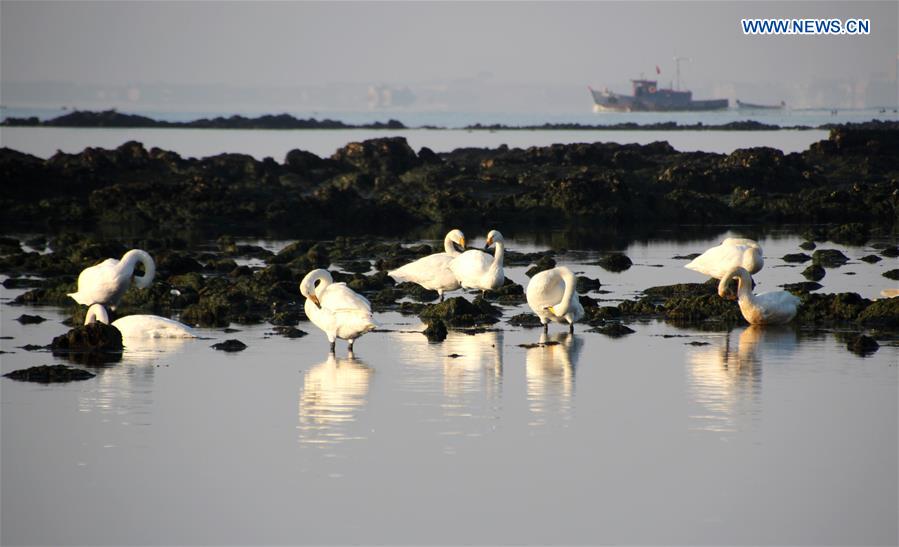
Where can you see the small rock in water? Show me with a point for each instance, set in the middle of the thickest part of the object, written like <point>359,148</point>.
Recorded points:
<point>814,273</point>
<point>290,332</point>
<point>47,374</point>
<point>32,347</point>
<point>892,274</point>
<point>802,286</point>
<point>525,320</point>
<point>690,256</point>
<point>586,284</point>
<point>697,343</point>
<point>614,330</point>
<point>616,262</point>
<point>95,337</point>
<point>871,259</point>
<point>545,263</point>
<point>230,345</point>
<point>436,331</point>
<point>862,345</point>
<point>807,245</point>
<point>829,258</point>
<point>796,257</point>
<point>26,319</point>
<point>890,252</point>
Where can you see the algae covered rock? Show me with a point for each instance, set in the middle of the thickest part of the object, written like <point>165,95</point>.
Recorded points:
<point>615,262</point>
<point>829,258</point>
<point>436,331</point>
<point>613,330</point>
<point>862,345</point>
<point>525,320</point>
<point>883,313</point>
<point>814,273</point>
<point>459,312</point>
<point>49,374</point>
<point>95,337</point>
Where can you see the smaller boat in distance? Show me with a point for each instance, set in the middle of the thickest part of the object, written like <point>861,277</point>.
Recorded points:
<point>751,106</point>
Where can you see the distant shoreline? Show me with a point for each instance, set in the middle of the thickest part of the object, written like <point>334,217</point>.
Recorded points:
<point>120,120</point>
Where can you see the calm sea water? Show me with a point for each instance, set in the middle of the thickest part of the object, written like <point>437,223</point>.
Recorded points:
<point>46,141</point>
<point>753,436</point>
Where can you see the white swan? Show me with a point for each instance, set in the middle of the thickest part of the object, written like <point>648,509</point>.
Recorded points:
<point>478,270</point>
<point>551,294</point>
<point>141,326</point>
<point>107,282</point>
<point>335,308</point>
<point>733,252</point>
<point>432,272</point>
<point>770,308</point>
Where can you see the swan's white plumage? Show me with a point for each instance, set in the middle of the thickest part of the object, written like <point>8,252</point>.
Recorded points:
<point>478,270</point>
<point>340,312</point>
<point>733,252</point>
<point>552,296</point>
<point>141,326</point>
<point>107,282</point>
<point>432,272</point>
<point>770,308</point>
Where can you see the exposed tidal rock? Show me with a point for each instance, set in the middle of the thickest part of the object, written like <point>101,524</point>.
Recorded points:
<point>231,345</point>
<point>891,274</point>
<point>587,284</point>
<point>807,245</point>
<point>459,312</point>
<point>525,320</point>
<point>48,374</point>
<point>26,319</point>
<point>802,287</point>
<point>871,259</point>
<point>796,257</point>
<point>435,331</point>
<point>545,263</point>
<point>95,337</point>
<point>882,313</point>
<point>814,273</point>
<point>614,330</point>
<point>829,258</point>
<point>616,262</point>
<point>862,345</point>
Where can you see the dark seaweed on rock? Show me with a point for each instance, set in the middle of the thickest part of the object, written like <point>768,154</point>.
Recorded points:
<point>49,374</point>
<point>382,185</point>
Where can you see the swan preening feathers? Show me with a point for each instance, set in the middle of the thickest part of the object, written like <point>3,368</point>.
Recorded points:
<point>552,296</point>
<point>770,308</point>
<point>432,272</point>
<point>108,281</point>
<point>734,251</point>
<point>140,326</point>
<point>476,269</point>
<point>335,308</point>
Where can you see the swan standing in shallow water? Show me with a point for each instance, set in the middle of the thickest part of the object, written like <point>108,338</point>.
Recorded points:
<point>140,326</point>
<point>552,296</point>
<point>770,308</point>
<point>478,270</point>
<point>733,252</point>
<point>335,308</point>
<point>107,282</point>
<point>432,272</point>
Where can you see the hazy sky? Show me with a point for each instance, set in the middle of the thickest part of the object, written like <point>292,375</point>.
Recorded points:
<point>290,43</point>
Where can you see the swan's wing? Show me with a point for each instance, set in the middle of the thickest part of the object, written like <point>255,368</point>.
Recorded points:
<point>471,263</point>
<point>99,283</point>
<point>339,297</point>
<point>731,241</point>
<point>423,270</point>
<point>545,289</point>
<point>152,326</point>
<point>777,306</point>
<point>717,261</point>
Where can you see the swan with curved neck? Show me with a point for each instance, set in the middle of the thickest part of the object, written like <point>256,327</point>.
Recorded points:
<point>107,282</point>
<point>478,270</point>
<point>552,296</point>
<point>140,326</point>
<point>335,308</point>
<point>770,308</point>
<point>432,272</point>
<point>732,252</point>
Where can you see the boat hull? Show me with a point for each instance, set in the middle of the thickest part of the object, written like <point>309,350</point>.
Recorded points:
<point>605,101</point>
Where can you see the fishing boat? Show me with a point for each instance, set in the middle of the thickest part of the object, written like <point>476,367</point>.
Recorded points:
<point>751,106</point>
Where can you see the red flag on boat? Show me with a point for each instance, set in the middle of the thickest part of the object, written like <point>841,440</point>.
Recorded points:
<point>658,70</point>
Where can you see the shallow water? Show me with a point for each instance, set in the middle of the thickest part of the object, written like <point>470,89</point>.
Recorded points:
<point>259,143</point>
<point>760,436</point>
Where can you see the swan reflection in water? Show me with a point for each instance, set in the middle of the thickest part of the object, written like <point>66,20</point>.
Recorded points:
<point>125,387</point>
<point>726,379</point>
<point>334,391</point>
<point>472,363</point>
<point>550,371</point>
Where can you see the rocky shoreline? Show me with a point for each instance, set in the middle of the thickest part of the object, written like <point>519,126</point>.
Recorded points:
<point>383,186</point>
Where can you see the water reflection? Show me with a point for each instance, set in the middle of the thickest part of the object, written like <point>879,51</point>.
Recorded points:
<point>550,371</point>
<point>333,393</point>
<point>726,379</point>
<point>472,363</point>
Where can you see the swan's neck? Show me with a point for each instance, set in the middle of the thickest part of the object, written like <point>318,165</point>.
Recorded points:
<point>499,254</point>
<point>570,282</point>
<point>744,286</point>
<point>131,259</point>
<point>448,246</point>
<point>96,313</point>
<point>325,279</point>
